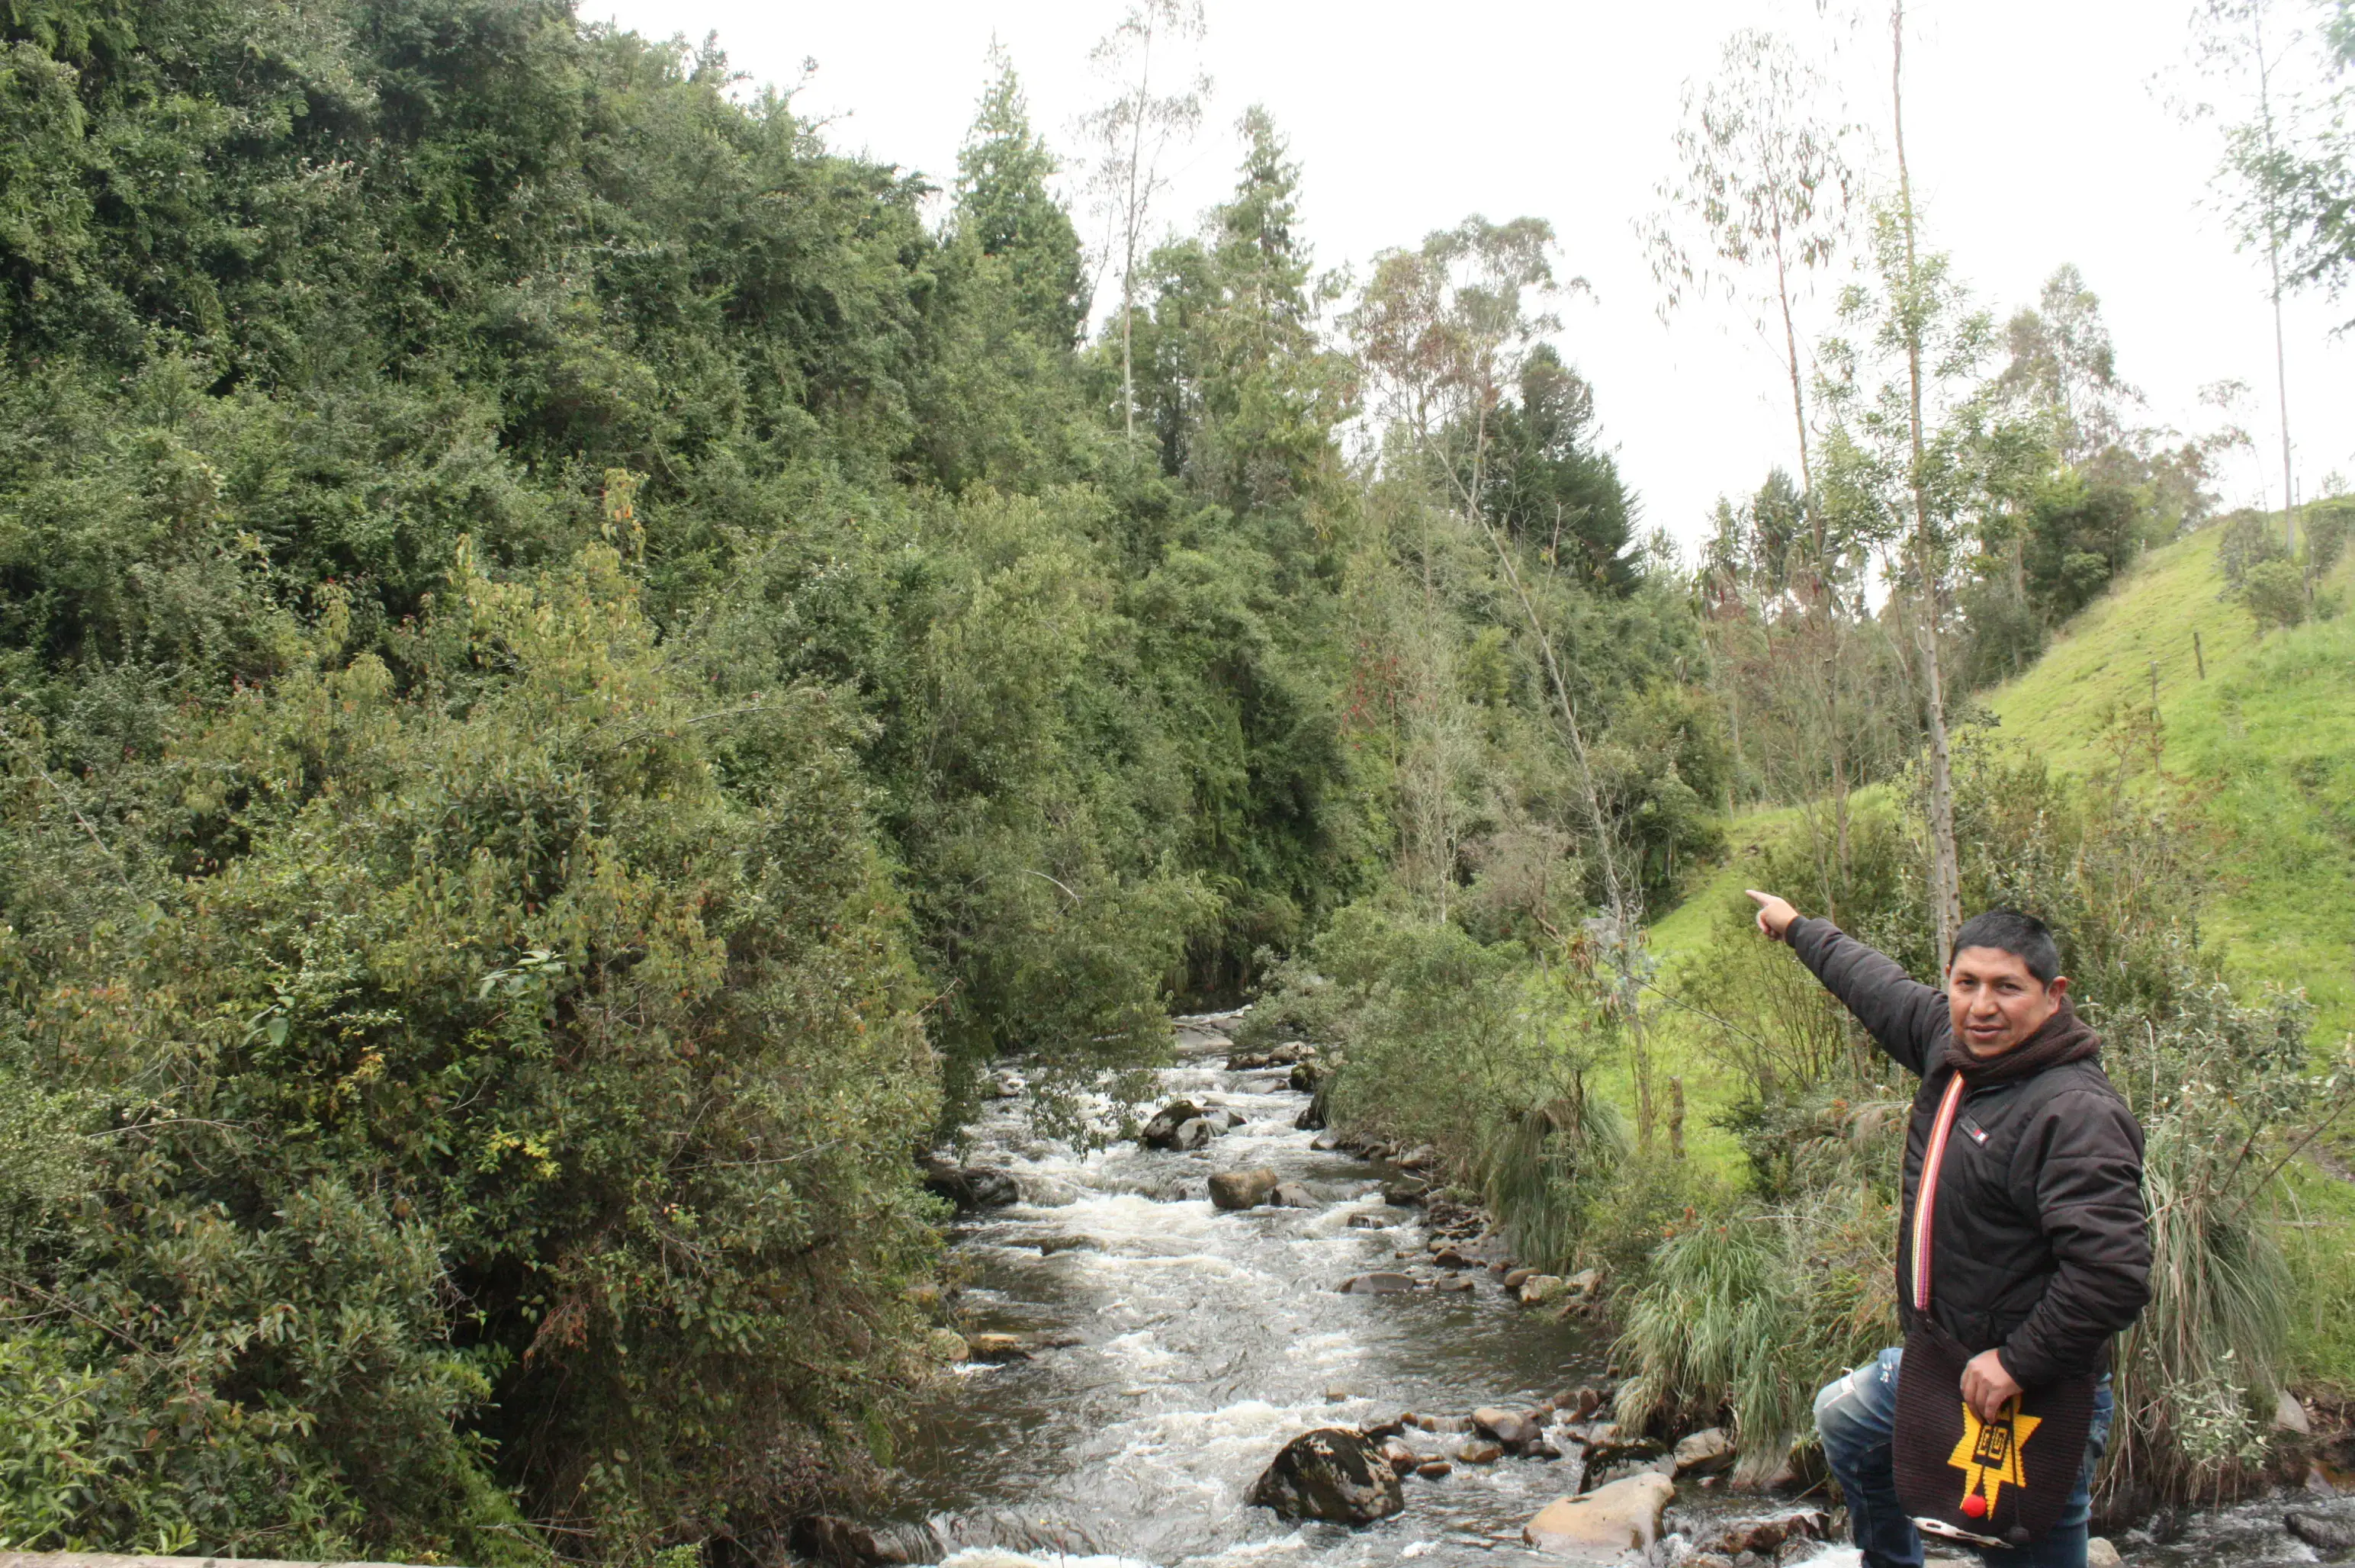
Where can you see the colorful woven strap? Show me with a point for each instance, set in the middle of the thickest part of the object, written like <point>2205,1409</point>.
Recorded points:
<point>1925,1202</point>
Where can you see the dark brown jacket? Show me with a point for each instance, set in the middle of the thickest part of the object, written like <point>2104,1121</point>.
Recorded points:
<point>2042,1247</point>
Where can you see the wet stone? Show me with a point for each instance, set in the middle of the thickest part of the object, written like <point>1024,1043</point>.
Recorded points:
<point>1330,1474</point>
<point>1479,1451</point>
<point>1161,1132</point>
<point>2322,1531</point>
<point>1233,1189</point>
<point>1625,1516</point>
<point>1510,1428</point>
<point>1381,1281</point>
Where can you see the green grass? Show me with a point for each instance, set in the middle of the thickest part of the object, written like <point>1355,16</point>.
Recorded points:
<point>2262,752</point>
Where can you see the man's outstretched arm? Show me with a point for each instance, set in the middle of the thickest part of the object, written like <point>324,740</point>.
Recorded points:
<point>1902,1015</point>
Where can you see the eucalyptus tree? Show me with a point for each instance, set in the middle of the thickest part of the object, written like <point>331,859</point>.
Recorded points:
<point>1761,197</point>
<point>1132,132</point>
<point>1916,433</point>
<point>1919,303</point>
<point>2063,363</point>
<point>2245,44</point>
<point>1444,333</point>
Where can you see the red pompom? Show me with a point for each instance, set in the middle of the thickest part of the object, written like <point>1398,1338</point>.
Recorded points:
<point>1974,1505</point>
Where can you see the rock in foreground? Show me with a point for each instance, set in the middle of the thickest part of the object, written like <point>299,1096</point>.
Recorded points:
<point>1621,1517</point>
<point>1242,1189</point>
<point>2321,1532</point>
<point>1331,1474</point>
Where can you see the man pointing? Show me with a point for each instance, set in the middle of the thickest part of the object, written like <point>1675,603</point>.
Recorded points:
<point>2037,1227</point>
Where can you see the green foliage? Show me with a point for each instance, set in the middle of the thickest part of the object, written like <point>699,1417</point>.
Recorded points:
<point>2275,594</point>
<point>1747,1314</point>
<point>500,1078</point>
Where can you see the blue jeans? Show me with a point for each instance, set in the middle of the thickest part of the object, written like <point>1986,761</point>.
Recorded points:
<point>1854,1417</point>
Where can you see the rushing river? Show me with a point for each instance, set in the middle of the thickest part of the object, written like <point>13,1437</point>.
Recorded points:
<point>1195,1343</point>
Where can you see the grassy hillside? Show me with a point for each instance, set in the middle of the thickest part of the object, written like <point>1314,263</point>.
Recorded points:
<point>2264,745</point>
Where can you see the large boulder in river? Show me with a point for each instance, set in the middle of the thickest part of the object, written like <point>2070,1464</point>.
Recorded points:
<point>1621,1517</point>
<point>1161,1132</point>
<point>970,1186</point>
<point>1193,1134</point>
<point>1331,1474</point>
<point>1242,1189</point>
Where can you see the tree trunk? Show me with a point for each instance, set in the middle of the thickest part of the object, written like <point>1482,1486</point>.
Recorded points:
<point>1945,869</point>
<point>2273,260</point>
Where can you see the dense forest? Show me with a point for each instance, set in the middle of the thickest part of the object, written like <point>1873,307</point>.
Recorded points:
<point>579,665</point>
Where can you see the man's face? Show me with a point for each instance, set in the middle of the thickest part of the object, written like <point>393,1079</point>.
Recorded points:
<point>1995,1002</point>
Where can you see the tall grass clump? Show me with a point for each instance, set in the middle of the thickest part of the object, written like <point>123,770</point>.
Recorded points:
<point>1745,1310</point>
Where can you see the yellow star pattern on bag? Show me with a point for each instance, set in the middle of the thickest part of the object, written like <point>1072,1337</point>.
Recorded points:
<point>1989,1453</point>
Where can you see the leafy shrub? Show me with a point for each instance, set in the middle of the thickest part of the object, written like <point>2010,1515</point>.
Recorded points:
<point>2274,593</point>
<point>494,1092</point>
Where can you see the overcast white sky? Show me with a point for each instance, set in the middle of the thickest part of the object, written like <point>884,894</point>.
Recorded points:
<point>2038,132</point>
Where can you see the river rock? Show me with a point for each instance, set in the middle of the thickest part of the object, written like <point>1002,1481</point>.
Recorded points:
<point>1516,1277</point>
<point>1192,1135</point>
<point>1330,1474</point>
<point>1324,1143</point>
<point>2289,1415</point>
<point>2100,1553</point>
<point>1479,1451</point>
<point>1381,1281</point>
<point>839,1542</point>
<point>1586,1282</point>
<point>1242,1189</point>
<point>1422,1157</point>
<point>1398,1455</point>
<point>1456,1283</point>
<point>1765,1536</point>
<point>1510,1428</point>
<point>999,1348</point>
<point>1368,1222</point>
<point>1538,1289</point>
<point>1433,1470</point>
<point>1705,1453</point>
<point>1292,1195</point>
<point>947,1345</point>
<point>1621,1517</point>
<point>1161,1132</point>
<point>970,1186</point>
<point>2321,1532</point>
<point>1405,1194</point>
<point>1311,1118</point>
<point>1050,1245</point>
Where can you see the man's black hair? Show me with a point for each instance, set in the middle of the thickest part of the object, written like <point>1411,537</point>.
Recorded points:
<point>2023,937</point>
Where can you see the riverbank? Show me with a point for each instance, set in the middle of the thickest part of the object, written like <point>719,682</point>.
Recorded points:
<point>1159,1351</point>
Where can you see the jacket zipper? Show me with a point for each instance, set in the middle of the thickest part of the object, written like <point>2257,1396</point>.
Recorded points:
<point>1925,1202</point>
